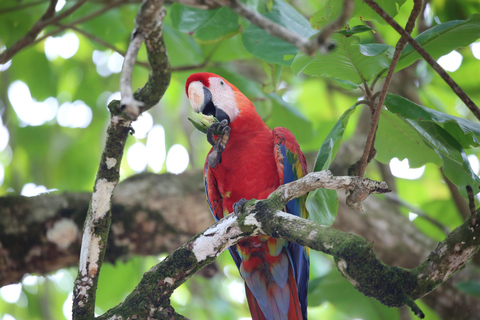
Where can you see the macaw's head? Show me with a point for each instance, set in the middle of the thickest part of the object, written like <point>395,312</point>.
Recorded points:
<point>210,94</point>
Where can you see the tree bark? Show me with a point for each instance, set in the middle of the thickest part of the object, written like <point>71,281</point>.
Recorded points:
<point>152,214</point>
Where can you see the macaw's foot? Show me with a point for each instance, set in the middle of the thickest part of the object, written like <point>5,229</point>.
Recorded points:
<point>219,143</point>
<point>238,206</point>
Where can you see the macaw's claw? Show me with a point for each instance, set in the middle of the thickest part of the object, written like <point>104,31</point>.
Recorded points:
<point>238,206</point>
<point>217,128</point>
<point>218,144</point>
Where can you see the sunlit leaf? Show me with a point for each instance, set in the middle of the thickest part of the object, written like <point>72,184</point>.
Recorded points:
<point>467,133</point>
<point>397,139</point>
<point>442,39</point>
<point>349,60</point>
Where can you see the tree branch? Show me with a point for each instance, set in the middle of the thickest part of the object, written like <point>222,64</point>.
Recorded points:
<point>97,224</point>
<point>62,27</point>
<point>455,87</point>
<point>369,151</point>
<point>353,255</point>
<point>47,19</point>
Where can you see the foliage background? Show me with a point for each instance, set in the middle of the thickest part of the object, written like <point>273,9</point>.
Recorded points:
<point>65,159</point>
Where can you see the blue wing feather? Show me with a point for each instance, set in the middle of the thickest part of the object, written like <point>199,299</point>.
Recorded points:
<point>292,161</point>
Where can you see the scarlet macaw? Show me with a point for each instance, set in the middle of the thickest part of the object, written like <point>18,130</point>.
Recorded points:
<point>255,161</point>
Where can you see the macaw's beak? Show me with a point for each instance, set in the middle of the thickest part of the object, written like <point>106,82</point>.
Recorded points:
<point>201,100</point>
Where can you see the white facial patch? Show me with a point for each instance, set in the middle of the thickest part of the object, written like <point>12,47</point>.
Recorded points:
<point>196,95</point>
<point>223,97</point>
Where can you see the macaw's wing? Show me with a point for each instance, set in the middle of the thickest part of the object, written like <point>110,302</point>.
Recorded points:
<point>215,202</point>
<point>291,165</point>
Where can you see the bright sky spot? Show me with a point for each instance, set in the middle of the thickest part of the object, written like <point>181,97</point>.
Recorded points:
<point>74,115</point>
<point>412,216</point>
<point>29,111</point>
<point>5,66</point>
<point>11,293</point>
<point>67,306</point>
<point>114,96</point>
<point>177,159</point>
<point>107,62</point>
<point>2,174</point>
<point>63,280</point>
<point>137,157</point>
<point>60,5</point>
<point>100,58</point>
<point>156,152</point>
<point>31,190</point>
<point>30,283</point>
<point>451,62</point>
<point>65,46</point>
<point>7,316</point>
<point>401,169</point>
<point>474,163</point>
<point>475,47</point>
<point>143,125</point>
<point>236,289</point>
<point>115,62</point>
<point>4,137</point>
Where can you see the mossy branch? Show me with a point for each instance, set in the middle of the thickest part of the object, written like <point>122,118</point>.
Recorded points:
<point>97,223</point>
<point>354,256</point>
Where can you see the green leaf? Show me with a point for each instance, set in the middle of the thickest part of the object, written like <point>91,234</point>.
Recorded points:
<point>272,49</point>
<point>442,39</point>
<point>332,142</point>
<point>455,162</point>
<point>467,133</point>
<point>356,29</point>
<point>349,60</point>
<point>322,206</point>
<point>333,8</point>
<point>208,25</point>
<point>471,287</point>
<point>397,139</point>
<point>183,50</point>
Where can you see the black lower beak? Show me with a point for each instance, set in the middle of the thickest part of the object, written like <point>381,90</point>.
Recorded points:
<point>208,108</point>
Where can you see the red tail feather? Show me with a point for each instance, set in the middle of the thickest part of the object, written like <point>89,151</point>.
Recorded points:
<point>294,311</point>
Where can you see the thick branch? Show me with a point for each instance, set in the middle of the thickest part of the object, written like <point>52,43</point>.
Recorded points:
<point>97,223</point>
<point>353,255</point>
<point>455,87</point>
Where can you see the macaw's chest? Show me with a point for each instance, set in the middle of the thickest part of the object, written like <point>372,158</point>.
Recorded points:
<point>247,170</point>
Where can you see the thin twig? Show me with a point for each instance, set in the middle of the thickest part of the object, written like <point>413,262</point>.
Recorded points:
<point>47,19</point>
<point>455,87</point>
<point>369,151</point>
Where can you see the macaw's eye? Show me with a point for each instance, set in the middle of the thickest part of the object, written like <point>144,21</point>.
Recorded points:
<point>221,83</point>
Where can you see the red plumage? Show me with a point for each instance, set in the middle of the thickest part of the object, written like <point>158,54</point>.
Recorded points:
<point>256,160</point>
